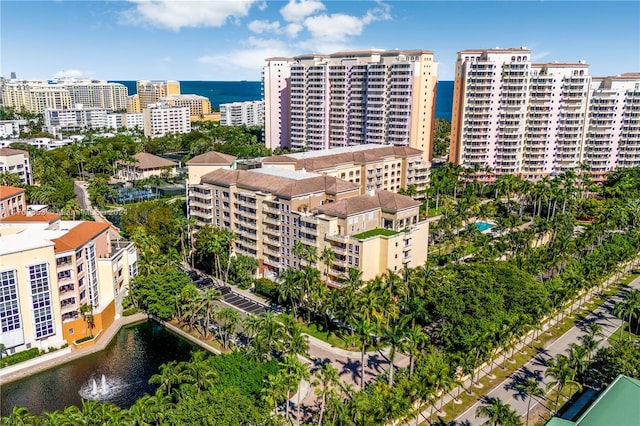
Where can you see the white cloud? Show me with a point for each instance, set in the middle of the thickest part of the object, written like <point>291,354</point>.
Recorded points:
<point>292,30</point>
<point>297,10</point>
<point>335,27</point>
<point>260,27</point>
<point>250,57</point>
<point>176,14</point>
<point>539,55</point>
<point>71,73</point>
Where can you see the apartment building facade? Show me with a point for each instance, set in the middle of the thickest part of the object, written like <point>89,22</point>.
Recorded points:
<point>96,93</point>
<point>16,161</point>
<point>34,95</point>
<point>351,98</point>
<point>74,119</point>
<point>151,92</point>
<point>199,106</point>
<point>128,120</point>
<point>12,201</point>
<point>373,167</point>
<point>272,210</point>
<point>145,165</point>
<point>49,269</point>
<point>249,113</point>
<point>513,116</point>
<point>161,119</point>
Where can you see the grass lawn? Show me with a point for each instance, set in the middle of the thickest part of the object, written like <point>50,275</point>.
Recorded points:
<point>616,336</point>
<point>318,331</point>
<point>374,233</point>
<point>211,341</point>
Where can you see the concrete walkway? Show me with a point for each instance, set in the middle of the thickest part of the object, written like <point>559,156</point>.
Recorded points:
<point>53,359</point>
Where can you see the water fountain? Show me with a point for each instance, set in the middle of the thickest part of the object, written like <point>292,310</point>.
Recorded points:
<point>105,390</point>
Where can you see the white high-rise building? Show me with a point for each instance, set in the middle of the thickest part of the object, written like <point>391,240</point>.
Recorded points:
<point>161,119</point>
<point>80,118</point>
<point>249,113</point>
<point>351,98</point>
<point>511,116</point>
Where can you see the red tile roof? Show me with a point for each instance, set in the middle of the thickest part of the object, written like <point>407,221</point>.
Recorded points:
<point>212,157</point>
<point>35,217</point>
<point>79,236</point>
<point>9,191</point>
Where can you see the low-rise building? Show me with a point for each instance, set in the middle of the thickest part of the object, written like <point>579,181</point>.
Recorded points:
<point>272,210</point>
<point>49,270</point>
<point>16,161</point>
<point>129,121</point>
<point>12,201</point>
<point>145,166</point>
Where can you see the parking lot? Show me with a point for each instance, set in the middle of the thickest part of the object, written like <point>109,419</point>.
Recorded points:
<point>241,302</point>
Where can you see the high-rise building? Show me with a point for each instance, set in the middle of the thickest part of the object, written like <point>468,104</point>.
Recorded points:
<point>249,113</point>
<point>152,92</point>
<point>35,96</point>
<point>351,98</point>
<point>199,106</point>
<point>161,119</point>
<point>512,116</point>
<point>73,119</point>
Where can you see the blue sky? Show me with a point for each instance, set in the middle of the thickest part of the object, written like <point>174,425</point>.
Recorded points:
<point>229,40</point>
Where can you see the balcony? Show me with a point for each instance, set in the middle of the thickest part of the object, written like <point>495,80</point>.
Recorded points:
<point>201,214</point>
<point>272,231</point>
<point>271,261</point>
<point>273,220</point>
<point>271,252</point>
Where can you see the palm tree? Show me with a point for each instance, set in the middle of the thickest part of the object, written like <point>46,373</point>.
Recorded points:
<point>562,374</point>
<point>364,330</point>
<point>531,388</point>
<point>207,299</point>
<point>327,257</point>
<point>497,413</point>
<point>228,320</point>
<point>414,341</point>
<point>326,377</point>
<point>289,290</point>
<point>86,310</point>
<point>394,336</point>
<point>293,341</point>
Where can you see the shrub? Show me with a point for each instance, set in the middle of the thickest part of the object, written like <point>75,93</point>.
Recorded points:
<point>266,288</point>
<point>19,357</point>
<point>130,311</point>
<point>84,339</point>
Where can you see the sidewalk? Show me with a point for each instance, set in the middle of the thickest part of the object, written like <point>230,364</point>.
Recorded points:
<point>486,369</point>
<point>62,356</point>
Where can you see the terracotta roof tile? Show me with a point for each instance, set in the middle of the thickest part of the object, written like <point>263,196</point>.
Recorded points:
<point>148,161</point>
<point>384,200</point>
<point>23,217</point>
<point>79,235</point>
<point>279,185</point>
<point>11,151</point>
<point>212,157</point>
<point>9,191</point>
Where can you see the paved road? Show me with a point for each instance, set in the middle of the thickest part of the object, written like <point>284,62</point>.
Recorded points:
<point>536,368</point>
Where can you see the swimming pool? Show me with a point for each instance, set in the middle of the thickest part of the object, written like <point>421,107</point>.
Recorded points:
<point>483,226</point>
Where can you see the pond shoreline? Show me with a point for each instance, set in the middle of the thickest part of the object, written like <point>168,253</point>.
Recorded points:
<point>50,360</point>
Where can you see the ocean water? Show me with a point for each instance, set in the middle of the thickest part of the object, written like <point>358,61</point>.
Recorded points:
<point>222,92</point>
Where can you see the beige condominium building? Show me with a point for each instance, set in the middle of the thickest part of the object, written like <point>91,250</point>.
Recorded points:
<point>49,268</point>
<point>162,119</point>
<point>34,95</point>
<point>199,106</point>
<point>351,98</point>
<point>271,210</point>
<point>206,163</point>
<point>151,92</point>
<point>16,161</point>
<point>373,167</point>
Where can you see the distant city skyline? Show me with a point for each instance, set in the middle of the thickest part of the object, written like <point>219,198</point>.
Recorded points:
<point>229,40</point>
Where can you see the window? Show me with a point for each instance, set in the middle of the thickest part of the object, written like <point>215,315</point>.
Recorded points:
<point>41,300</point>
<point>9,308</point>
<point>80,268</point>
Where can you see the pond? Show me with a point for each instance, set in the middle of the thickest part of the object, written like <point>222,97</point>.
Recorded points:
<point>119,374</point>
